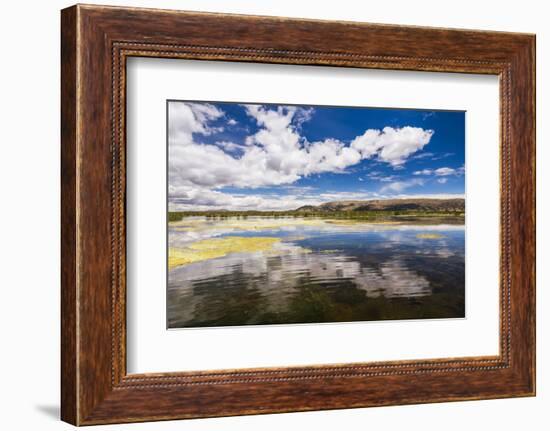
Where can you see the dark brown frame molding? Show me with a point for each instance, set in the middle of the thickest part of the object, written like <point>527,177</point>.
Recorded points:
<point>95,43</point>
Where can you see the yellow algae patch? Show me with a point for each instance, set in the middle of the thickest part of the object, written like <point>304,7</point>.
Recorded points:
<point>352,222</point>
<point>250,224</point>
<point>430,236</point>
<point>218,247</point>
<point>295,238</point>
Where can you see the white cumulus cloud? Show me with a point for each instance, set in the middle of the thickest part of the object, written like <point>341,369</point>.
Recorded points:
<point>399,186</point>
<point>275,155</point>
<point>441,172</point>
<point>391,145</point>
<point>423,172</point>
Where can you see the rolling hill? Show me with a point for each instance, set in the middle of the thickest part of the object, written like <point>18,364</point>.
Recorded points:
<point>433,205</point>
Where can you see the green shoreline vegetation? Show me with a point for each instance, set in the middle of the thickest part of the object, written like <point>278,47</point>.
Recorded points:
<point>451,217</point>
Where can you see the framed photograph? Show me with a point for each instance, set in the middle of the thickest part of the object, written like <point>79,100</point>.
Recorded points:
<point>264,215</point>
<point>287,214</point>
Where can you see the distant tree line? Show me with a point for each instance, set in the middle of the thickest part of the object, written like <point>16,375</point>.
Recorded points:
<point>359,215</point>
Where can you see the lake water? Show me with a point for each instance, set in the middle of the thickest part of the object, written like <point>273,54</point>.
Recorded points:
<point>312,271</point>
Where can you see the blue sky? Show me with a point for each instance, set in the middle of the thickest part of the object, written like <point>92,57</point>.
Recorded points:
<point>277,157</point>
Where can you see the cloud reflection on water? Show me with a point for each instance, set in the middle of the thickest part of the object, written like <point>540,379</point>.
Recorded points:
<point>370,262</point>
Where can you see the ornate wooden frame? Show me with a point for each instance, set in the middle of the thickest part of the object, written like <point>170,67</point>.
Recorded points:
<point>96,41</point>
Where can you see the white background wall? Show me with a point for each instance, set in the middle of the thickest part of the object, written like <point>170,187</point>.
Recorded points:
<point>29,224</point>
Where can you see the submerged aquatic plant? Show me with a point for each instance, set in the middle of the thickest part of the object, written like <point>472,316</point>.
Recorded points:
<point>218,247</point>
<point>430,236</point>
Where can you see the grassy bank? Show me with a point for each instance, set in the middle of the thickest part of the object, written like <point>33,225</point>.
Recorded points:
<point>454,217</point>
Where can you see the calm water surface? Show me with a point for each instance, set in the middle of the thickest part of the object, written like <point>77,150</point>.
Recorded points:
<point>318,271</point>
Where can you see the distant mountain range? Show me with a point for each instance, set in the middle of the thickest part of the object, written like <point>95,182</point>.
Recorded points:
<point>444,205</point>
